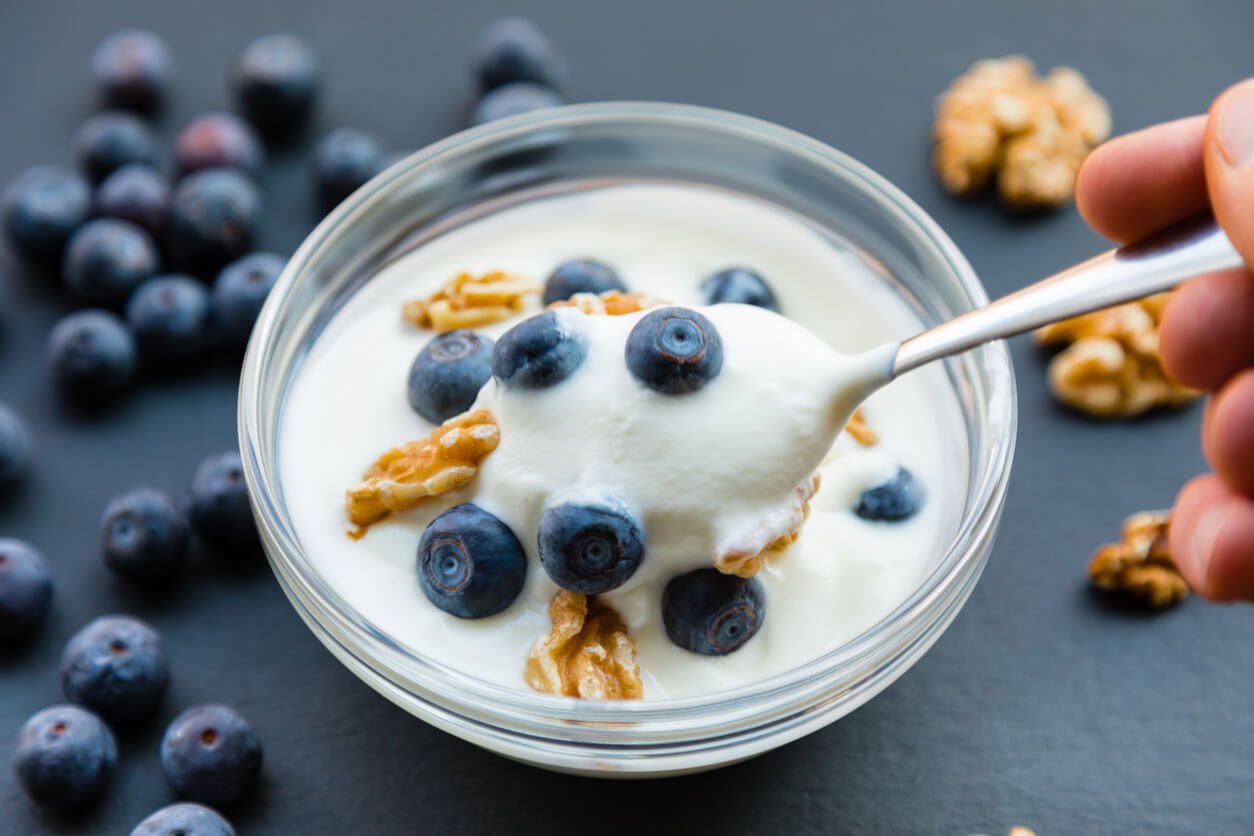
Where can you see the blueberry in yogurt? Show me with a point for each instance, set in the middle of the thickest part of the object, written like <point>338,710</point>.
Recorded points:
<point>674,351</point>
<point>590,548</point>
<point>448,373</point>
<point>469,563</point>
<point>539,352</point>
<point>580,275</point>
<point>896,500</point>
<point>739,285</point>
<point>712,614</point>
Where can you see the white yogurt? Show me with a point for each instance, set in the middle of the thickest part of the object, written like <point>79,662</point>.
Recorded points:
<point>697,469</point>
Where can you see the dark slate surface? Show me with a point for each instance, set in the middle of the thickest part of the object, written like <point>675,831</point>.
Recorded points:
<point>1041,705</point>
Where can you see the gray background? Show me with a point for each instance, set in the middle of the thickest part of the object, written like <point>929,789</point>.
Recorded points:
<point>1041,706</point>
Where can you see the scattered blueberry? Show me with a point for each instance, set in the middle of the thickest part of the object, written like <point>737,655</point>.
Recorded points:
<point>133,69</point>
<point>65,757</point>
<point>136,193</point>
<point>469,563</point>
<point>25,590</point>
<point>448,373</point>
<point>185,819</point>
<point>110,140</point>
<point>674,350</point>
<point>710,613</point>
<point>14,447</point>
<point>276,82</point>
<point>218,508</point>
<point>169,316</point>
<point>740,285</point>
<point>210,754</point>
<point>42,208</point>
<point>514,49</point>
<point>590,548</point>
<point>92,356</point>
<point>580,275</point>
<point>143,537</point>
<point>239,293</point>
<point>898,499</point>
<point>114,666</point>
<point>214,218</point>
<point>511,100</point>
<point>105,260</point>
<point>218,140</point>
<point>343,161</point>
<point>539,352</point>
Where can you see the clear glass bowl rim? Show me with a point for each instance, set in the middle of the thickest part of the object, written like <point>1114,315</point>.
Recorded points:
<point>962,561</point>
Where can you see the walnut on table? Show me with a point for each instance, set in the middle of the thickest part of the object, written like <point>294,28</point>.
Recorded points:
<point>588,653</point>
<point>609,303</point>
<point>1001,120</point>
<point>469,301</point>
<point>404,476</point>
<point>1141,567</point>
<point>1111,367</point>
<point>747,556</point>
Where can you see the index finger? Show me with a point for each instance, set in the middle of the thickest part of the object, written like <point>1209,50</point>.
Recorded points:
<point>1143,181</point>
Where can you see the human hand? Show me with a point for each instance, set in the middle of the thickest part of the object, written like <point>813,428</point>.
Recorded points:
<point>1141,182</point>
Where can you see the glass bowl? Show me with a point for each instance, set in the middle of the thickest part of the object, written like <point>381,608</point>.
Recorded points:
<point>501,164</point>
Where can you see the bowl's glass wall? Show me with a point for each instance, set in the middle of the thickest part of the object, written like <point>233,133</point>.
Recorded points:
<point>586,147</point>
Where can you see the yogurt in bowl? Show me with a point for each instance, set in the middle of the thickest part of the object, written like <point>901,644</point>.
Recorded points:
<point>856,548</point>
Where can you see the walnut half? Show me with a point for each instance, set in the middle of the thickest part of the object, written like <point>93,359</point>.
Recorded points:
<point>745,558</point>
<point>1141,567</point>
<point>469,301</point>
<point>609,303</point>
<point>588,653</point>
<point>404,476</point>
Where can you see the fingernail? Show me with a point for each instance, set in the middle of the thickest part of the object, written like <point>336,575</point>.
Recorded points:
<point>1234,125</point>
<point>1202,545</point>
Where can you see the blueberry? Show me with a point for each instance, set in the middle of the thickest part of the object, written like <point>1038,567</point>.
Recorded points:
<point>92,356</point>
<point>513,99</point>
<point>343,161</point>
<point>514,49</point>
<point>469,563</point>
<point>143,537</point>
<point>185,819</point>
<point>740,285</point>
<point>169,316</point>
<point>580,275</point>
<point>276,82</point>
<point>710,613</point>
<point>215,216</point>
<point>539,352</point>
<point>210,754</point>
<point>448,373</point>
<point>115,667</point>
<point>218,508</point>
<point>238,295</point>
<point>25,590</point>
<point>110,140</point>
<point>132,69</point>
<point>105,260</point>
<point>898,499</point>
<point>674,351</point>
<point>42,208</point>
<point>590,548</point>
<point>14,447</point>
<point>65,757</point>
<point>218,140</point>
<point>136,193</point>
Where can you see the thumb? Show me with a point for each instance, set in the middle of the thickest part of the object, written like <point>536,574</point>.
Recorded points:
<point>1229,158</point>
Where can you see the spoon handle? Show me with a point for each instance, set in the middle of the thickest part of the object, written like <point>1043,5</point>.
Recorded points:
<point>1151,265</point>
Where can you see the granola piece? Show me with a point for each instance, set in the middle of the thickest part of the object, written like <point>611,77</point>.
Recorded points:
<point>1141,567</point>
<point>1001,120</point>
<point>587,654</point>
<point>610,303</point>
<point>404,476</point>
<point>1111,367</point>
<point>750,550</point>
<point>861,430</point>
<point>468,301</point>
